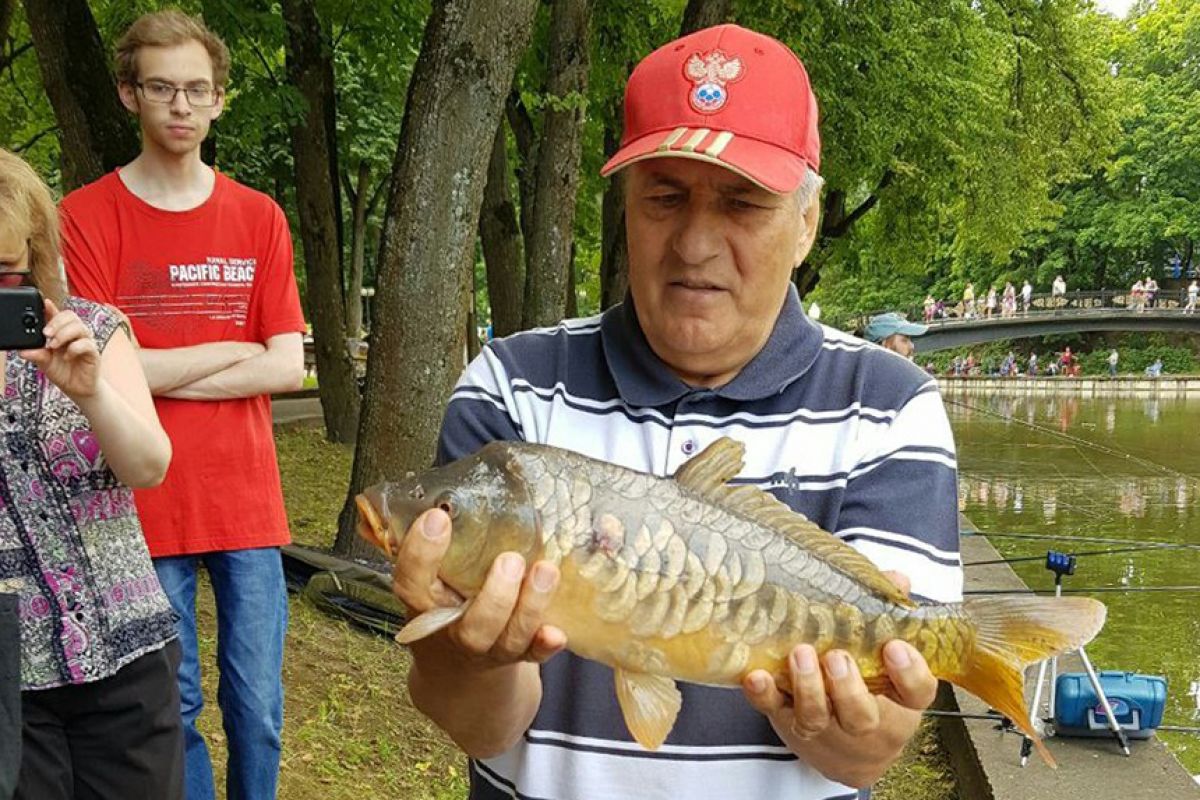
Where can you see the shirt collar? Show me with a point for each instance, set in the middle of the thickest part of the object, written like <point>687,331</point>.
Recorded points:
<point>643,380</point>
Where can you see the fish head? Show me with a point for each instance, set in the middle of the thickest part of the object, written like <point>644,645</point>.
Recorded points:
<point>486,499</point>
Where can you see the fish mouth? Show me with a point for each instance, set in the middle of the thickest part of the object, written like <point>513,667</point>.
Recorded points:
<point>373,526</point>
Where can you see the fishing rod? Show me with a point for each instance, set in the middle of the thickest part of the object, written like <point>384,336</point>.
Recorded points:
<point>1109,552</point>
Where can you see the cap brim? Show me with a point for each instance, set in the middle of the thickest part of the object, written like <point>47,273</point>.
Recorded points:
<point>770,167</point>
<point>911,328</point>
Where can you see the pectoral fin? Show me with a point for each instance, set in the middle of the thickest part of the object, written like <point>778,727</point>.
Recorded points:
<point>650,704</point>
<point>431,622</point>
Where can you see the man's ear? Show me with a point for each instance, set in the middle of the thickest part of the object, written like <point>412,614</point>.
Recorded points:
<point>810,218</point>
<point>220,106</point>
<point>128,95</point>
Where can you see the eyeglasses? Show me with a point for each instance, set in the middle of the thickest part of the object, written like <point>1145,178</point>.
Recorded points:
<point>164,94</point>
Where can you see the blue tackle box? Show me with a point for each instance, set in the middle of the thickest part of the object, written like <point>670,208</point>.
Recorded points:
<point>1137,702</point>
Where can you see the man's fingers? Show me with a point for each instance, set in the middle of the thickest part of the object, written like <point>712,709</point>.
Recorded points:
<point>760,689</point>
<point>481,627</point>
<point>900,579</point>
<point>810,705</point>
<point>415,577</point>
<point>536,593</point>
<point>856,709</point>
<point>549,641</point>
<point>915,686</point>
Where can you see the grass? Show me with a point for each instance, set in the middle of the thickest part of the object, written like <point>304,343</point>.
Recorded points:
<point>350,731</point>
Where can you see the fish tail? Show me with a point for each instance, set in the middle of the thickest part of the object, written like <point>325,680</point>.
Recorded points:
<point>1011,633</point>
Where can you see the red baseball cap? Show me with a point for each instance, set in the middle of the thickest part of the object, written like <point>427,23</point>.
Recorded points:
<point>728,96</point>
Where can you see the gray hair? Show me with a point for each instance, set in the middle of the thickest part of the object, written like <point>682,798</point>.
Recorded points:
<point>810,187</point>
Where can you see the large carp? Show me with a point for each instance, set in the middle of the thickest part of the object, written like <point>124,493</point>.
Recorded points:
<point>692,579</point>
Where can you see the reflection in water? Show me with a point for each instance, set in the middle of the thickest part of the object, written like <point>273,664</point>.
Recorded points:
<point>1111,468</point>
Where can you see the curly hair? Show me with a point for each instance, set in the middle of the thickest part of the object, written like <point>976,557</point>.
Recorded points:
<point>27,209</point>
<point>166,29</point>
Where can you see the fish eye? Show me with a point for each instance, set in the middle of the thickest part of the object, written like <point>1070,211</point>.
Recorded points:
<point>446,502</point>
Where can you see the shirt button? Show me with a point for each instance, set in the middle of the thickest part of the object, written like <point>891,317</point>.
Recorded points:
<point>689,447</point>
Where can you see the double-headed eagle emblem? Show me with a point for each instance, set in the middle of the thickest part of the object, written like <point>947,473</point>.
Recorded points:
<point>711,73</point>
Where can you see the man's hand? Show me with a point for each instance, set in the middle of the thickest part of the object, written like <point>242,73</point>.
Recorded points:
<point>504,624</point>
<point>479,679</point>
<point>830,719</point>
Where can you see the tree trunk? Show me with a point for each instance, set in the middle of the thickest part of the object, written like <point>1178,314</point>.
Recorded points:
<point>501,238</point>
<point>360,200</point>
<point>701,14</point>
<point>614,255</point>
<point>459,83</point>
<point>572,295</point>
<point>548,241</point>
<point>94,128</point>
<point>310,70</point>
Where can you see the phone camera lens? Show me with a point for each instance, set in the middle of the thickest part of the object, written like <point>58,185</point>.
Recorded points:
<point>29,321</point>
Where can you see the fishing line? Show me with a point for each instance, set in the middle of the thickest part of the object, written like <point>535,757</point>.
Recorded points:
<point>1062,537</point>
<point>1113,551</point>
<point>1077,440</point>
<point>1089,590</point>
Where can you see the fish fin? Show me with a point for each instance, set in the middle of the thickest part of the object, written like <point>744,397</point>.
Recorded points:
<point>713,467</point>
<point>880,684</point>
<point>650,704</point>
<point>1013,632</point>
<point>431,622</point>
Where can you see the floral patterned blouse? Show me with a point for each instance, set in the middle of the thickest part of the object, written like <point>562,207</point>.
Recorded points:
<point>71,547</point>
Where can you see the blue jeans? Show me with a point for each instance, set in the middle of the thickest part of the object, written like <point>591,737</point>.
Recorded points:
<point>252,613</point>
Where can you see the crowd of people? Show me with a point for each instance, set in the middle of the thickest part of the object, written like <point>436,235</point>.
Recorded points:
<point>1144,294</point>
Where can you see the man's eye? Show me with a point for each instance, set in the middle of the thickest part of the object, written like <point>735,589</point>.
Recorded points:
<point>159,87</point>
<point>741,205</point>
<point>666,200</point>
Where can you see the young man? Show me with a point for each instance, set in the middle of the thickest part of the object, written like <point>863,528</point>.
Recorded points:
<point>721,153</point>
<point>202,267</point>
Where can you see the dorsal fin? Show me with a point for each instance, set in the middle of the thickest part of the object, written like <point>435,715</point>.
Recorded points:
<point>713,467</point>
<point>708,473</point>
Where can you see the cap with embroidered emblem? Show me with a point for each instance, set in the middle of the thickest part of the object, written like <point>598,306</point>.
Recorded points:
<point>726,95</point>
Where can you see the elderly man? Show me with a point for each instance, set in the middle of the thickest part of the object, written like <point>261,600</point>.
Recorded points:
<point>720,158</point>
<point>894,332</point>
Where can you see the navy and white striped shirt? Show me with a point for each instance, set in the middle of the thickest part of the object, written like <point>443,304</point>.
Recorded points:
<point>847,433</point>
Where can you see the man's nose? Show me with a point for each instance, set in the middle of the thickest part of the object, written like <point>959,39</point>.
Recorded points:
<point>180,104</point>
<point>698,238</point>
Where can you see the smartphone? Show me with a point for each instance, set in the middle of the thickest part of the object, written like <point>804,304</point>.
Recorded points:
<point>22,318</point>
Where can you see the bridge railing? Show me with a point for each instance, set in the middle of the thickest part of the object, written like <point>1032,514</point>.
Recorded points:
<point>1079,302</point>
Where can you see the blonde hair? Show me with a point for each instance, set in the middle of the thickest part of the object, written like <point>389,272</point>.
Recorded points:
<point>167,29</point>
<point>27,209</point>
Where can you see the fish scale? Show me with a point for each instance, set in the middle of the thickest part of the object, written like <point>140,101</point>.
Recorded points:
<point>687,578</point>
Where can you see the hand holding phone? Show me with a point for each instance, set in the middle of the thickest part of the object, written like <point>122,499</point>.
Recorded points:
<point>22,318</point>
<point>69,357</point>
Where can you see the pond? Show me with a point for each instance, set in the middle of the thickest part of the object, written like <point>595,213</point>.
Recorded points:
<point>1126,469</point>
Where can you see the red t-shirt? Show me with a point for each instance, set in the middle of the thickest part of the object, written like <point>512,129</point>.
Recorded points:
<point>219,272</point>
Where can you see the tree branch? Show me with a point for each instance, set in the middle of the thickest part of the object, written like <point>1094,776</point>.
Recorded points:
<point>839,229</point>
<point>21,148</point>
<point>14,55</point>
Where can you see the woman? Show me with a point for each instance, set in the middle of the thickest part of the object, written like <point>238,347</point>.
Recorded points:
<point>99,701</point>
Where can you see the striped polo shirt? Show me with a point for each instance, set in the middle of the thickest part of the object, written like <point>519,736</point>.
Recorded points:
<point>849,434</point>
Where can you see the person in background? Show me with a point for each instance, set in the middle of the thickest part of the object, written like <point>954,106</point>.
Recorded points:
<point>930,306</point>
<point>814,311</point>
<point>1193,291</point>
<point>894,332</point>
<point>1033,365</point>
<point>1058,292</point>
<point>202,266</point>
<point>1113,359</point>
<point>98,646</point>
<point>1026,297</point>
